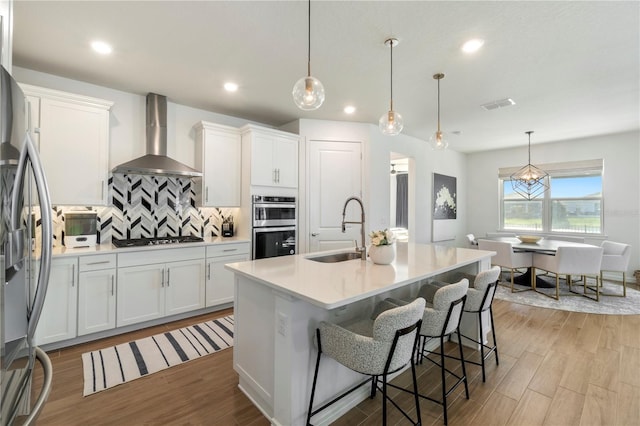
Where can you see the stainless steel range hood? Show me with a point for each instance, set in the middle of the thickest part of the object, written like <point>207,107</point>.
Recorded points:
<point>156,161</point>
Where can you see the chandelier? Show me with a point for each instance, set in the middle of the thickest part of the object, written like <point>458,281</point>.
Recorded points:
<point>529,182</point>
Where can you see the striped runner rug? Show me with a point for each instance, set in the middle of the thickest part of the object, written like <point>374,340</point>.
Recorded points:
<point>122,363</point>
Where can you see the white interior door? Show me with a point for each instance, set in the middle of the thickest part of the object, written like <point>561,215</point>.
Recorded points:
<point>335,174</point>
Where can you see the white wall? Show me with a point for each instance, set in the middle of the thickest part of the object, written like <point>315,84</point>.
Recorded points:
<point>127,119</point>
<point>376,189</point>
<point>621,188</point>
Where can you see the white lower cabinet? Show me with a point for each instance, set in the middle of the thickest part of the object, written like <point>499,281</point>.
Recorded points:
<point>220,280</point>
<point>96,294</point>
<point>156,283</point>
<point>58,320</point>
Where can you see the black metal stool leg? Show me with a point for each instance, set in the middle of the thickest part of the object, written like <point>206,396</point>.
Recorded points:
<point>443,378</point>
<point>315,379</point>
<point>464,370</point>
<point>484,377</point>
<point>493,331</point>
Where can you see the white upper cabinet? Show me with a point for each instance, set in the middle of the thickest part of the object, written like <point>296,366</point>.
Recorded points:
<point>73,134</point>
<point>274,156</point>
<point>218,150</point>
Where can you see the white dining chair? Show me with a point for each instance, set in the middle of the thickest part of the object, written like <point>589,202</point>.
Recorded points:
<point>506,258</point>
<point>581,261</point>
<point>615,258</point>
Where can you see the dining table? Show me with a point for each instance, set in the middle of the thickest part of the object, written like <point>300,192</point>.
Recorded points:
<point>543,246</point>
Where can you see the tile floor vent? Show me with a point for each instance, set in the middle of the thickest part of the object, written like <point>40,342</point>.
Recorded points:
<point>501,103</point>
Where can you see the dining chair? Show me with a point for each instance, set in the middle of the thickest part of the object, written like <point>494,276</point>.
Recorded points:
<point>374,347</point>
<point>506,258</point>
<point>568,261</point>
<point>615,258</point>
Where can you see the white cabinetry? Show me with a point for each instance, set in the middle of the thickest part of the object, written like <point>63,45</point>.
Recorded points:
<point>74,144</point>
<point>274,156</point>
<point>218,157</point>
<point>155,283</point>
<point>96,294</point>
<point>220,280</point>
<point>58,320</point>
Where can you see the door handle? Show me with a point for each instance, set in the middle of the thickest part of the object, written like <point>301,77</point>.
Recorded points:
<point>314,234</point>
<point>206,194</point>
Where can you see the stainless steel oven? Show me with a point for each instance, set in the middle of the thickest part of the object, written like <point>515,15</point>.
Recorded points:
<point>274,226</point>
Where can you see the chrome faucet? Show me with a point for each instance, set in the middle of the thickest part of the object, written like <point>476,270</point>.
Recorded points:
<point>362,250</point>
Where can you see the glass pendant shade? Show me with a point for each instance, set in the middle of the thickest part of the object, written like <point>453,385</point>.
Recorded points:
<point>438,141</point>
<point>391,123</point>
<point>308,93</point>
<point>529,182</point>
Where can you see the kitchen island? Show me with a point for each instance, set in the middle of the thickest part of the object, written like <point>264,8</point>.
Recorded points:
<point>279,302</point>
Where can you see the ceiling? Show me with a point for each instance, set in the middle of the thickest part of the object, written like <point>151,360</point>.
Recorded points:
<point>572,67</point>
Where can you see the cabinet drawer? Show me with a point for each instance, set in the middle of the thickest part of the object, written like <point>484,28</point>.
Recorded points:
<point>227,249</point>
<point>94,263</point>
<point>150,257</point>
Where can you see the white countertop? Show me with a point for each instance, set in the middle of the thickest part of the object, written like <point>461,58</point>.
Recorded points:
<point>331,285</point>
<point>111,249</point>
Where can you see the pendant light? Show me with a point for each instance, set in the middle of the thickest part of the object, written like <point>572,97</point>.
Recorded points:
<point>437,140</point>
<point>391,122</point>
<point>529,182</point>
<point>308,92</point>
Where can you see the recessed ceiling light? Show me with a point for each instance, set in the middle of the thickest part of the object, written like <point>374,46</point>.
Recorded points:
<point>349,109</point>
<point>472,46</point>
<point>230,87</point>
<point>101,47</point>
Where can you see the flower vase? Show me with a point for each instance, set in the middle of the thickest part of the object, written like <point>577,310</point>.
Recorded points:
<point>383,255</point>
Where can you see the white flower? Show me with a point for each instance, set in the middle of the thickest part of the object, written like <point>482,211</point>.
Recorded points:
<point>382,238</point>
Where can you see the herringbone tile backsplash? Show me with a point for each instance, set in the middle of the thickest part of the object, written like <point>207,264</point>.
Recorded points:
<point>145,206</point>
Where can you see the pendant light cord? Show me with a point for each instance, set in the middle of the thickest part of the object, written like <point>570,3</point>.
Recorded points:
<point>438,105</point>
<point>529,133</point>
<point>309,39</point>
<point>391,73</point>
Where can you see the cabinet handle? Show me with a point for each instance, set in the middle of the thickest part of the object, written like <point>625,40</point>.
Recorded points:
<point>209,271</point>
<point>112,285</point>
<point>168,276</point>
<point>274,176</point>
<point>73,275</point>
<point>278,174</point>
<point>230,249</point>
<point>97,263</point>
<point>162,278</point>
<point>206,194</point>
<point>102,190</point>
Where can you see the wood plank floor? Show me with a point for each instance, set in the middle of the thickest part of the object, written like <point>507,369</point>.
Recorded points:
<point>556,368</point>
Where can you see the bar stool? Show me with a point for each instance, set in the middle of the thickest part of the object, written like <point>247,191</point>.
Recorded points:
<point>440,322</point>
<point>373,347</point>
<point>479,300</point>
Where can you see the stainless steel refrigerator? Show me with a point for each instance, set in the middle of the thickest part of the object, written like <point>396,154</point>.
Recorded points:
<point>24,265</point>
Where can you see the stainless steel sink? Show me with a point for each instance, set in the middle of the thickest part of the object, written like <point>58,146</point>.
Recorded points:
<point>336,257</point>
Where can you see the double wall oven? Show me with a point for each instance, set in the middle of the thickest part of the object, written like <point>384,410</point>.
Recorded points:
<point>274,226</point>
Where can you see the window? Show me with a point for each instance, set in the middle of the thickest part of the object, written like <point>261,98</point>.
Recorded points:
<point>572,204</point>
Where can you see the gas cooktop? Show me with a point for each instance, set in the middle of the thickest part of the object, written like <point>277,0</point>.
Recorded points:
<point>136,242</point>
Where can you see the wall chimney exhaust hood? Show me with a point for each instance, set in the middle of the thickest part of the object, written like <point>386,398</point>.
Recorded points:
<point>156,162</point>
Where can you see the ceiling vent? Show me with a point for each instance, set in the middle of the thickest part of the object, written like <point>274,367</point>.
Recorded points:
<point>501,103</point>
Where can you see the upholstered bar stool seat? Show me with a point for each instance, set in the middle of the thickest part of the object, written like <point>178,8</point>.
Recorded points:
<point>374,347</point>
